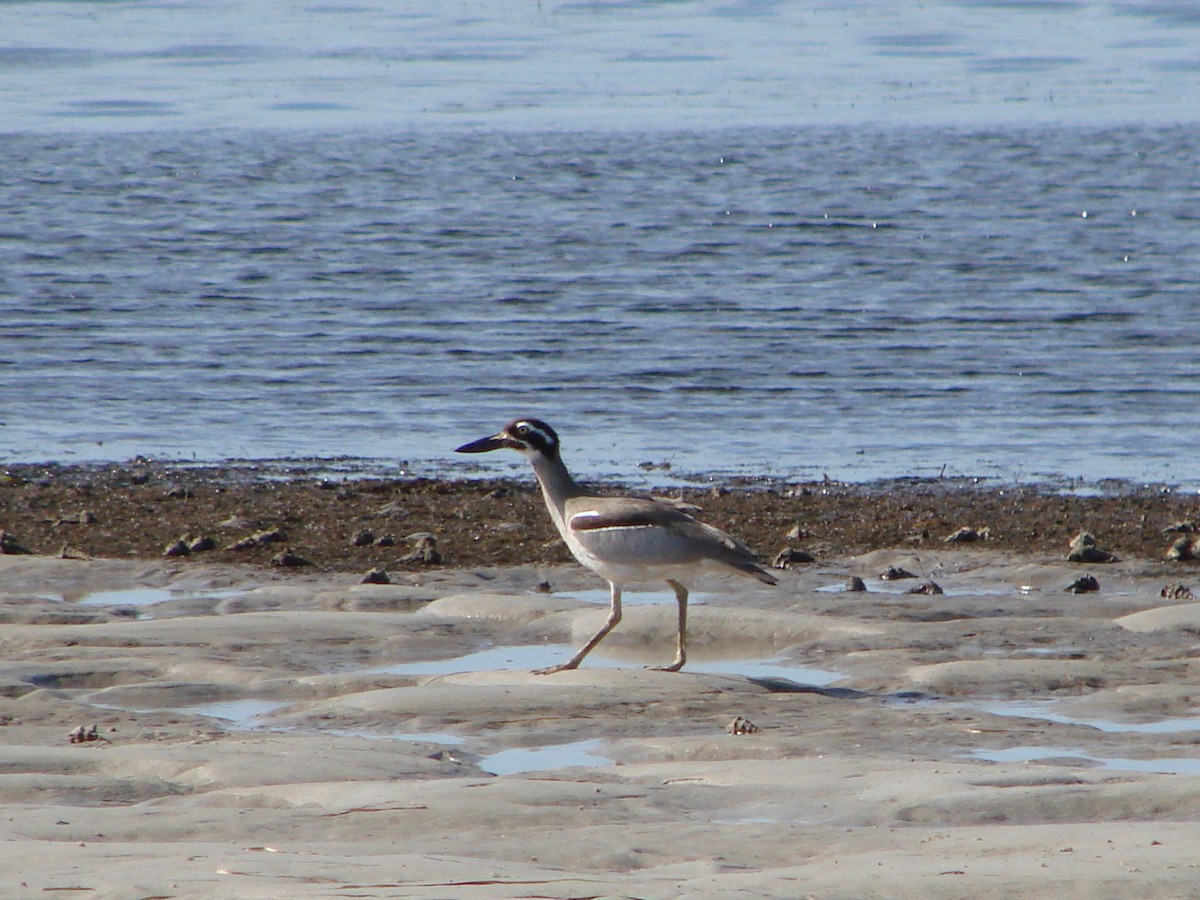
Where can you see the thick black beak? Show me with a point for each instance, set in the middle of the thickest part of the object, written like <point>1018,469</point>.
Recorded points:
<point>483,445</point>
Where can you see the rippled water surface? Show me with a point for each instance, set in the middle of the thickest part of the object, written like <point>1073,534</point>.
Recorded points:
<point>310,242</point>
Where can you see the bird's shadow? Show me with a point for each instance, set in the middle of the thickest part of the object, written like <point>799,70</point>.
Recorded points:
<point>786,686</point>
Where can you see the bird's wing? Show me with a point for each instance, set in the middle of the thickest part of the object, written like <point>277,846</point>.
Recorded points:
<point>678,535</point>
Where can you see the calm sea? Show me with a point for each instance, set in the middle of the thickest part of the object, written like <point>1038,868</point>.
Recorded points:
<point>733,238</point>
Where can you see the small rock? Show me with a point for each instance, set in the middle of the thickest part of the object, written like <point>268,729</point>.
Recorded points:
<point>789,557</point>
<point>84,517</point>
<point>855,585</point>
<point>926,587</point>
<point>363,538</point>
<point>376,576</point>
<point>394,508</point>
<point>288,560</point>
<point>10,544</point>
<point>1090,555</point>
<point>1182,550</point>
<point>1083,539</point>
<point>261,539</point>
<point>1177,592</point>
<point>84,734</point>
<point>891,573</point>
<point>543,587</point>
<point>968,536</point>
<point>178,548</point>
<point>385,540</point>
<point>1084,550</point>
<point>796,533</point>
<point>424,550</point>
<point>1085,584</point>
<point>741,725</point>
<point>236,522</point>
<point>1186,527</point>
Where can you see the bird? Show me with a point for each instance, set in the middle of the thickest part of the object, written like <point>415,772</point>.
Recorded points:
<point>624,540</point>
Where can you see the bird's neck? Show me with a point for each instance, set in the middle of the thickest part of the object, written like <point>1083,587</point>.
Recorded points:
<point>557,487</point>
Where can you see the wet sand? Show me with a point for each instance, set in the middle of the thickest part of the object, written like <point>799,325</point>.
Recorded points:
<point>262,731</point>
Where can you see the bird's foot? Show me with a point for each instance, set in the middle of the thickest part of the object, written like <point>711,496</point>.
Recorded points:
<point>550,670</point>
<point>673,667</point>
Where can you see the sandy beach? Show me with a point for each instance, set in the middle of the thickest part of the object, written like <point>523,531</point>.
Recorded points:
<point>212,726</point>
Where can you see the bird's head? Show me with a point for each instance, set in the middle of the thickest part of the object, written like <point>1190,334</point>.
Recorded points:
<point>529,437</point>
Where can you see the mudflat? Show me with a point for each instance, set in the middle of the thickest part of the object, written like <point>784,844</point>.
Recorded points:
<point>211,725</point>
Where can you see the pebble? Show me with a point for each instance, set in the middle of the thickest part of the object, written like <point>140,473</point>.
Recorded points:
<point>790,556</point>
<point>288,560</point>
<point>10,544</point>
<point>177,548</point>
<point>855,585</point>
<point>261,539</point>
<point>1084,550</point>
<point>85,734</point>
<point>424,550</point>
<point>966,535</point>
<point>1182,550</point>
<point>1177,591</point>
<point>926,587</point>
<point>1084,584</point>
<point>376,576</point>
<point>1185,527</point>
<point>84,517</point>
<point>741,725</point>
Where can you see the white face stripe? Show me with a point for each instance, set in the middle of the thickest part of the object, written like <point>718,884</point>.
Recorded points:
<point>548,440</point>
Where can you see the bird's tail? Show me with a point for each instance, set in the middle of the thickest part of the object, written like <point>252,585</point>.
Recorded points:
<point>756,571</point>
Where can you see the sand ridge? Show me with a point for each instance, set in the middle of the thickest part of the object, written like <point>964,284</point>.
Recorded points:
<point>270,734</point>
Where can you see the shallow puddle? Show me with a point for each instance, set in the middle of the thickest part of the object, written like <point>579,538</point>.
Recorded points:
<point>1161,765</point>
<point>496,659</point>
<point>543,759</point>
<point>1027,710</point>
<point>127,597</point>
<point>241,713</point>
<point>148,596</point>
<point>539,656</point>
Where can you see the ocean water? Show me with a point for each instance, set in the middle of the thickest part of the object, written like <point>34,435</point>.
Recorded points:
<point>731,238</point>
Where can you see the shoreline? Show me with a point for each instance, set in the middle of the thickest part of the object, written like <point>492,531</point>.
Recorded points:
<point>347,524</point>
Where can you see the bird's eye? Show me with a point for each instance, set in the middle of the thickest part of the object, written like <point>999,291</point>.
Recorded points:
<point>522,430</point>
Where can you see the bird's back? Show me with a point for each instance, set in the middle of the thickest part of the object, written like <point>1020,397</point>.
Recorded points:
<point>632,539</point>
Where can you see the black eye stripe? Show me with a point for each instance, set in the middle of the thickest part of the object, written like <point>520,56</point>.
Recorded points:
<point>535,433</point>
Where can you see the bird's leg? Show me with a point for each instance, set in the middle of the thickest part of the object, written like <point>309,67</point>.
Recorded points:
<point>681,594</point>
<point>614,616</point>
